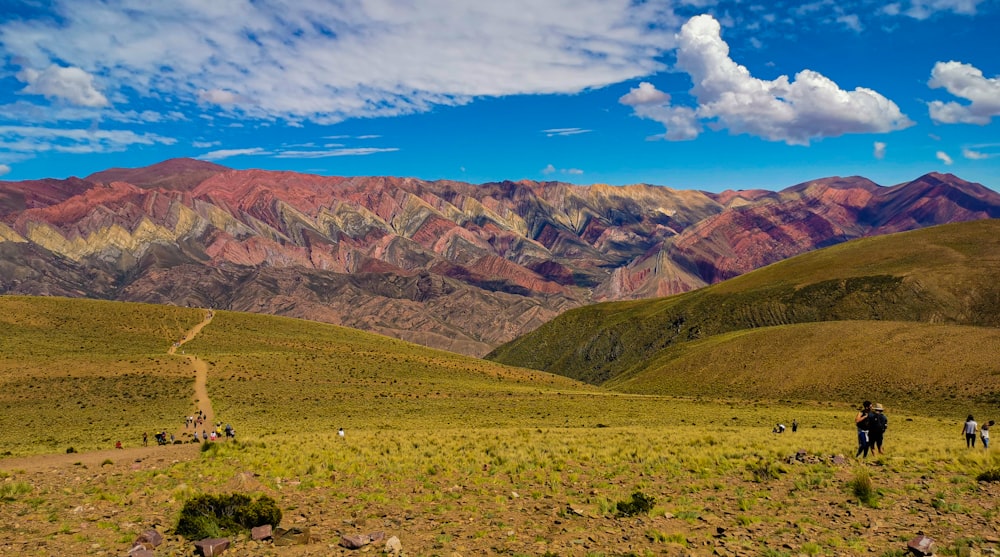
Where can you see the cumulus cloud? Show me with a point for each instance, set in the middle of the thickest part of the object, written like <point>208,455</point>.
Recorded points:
<point>943,157</point>
<point>4,169</point>
<point>796,112</point>
<point>549,169</point>
<point>879,150</point>
<point>327,60</point>
<point>965,81</point>
<point>644,95</point>
<point>70,84</point>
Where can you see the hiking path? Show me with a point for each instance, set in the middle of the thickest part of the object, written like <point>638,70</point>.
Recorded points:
<point>200,397</point>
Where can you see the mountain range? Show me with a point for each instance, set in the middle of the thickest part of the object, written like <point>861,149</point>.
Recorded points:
<point>452,265</point>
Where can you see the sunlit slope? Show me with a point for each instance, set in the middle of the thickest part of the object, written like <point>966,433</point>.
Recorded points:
<point>925,367</point>
<point>947,274</point>
<point>87,373</point>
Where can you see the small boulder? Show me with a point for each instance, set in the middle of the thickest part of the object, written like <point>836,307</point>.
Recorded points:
<point>211,547</point>
<point>921,545</point>
<point>393,546</point>
<point>355,541</point>
<point>149,539</point>
<point>259,533</point>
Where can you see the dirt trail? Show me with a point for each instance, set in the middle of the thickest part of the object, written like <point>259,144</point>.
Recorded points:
<point>200,397</point>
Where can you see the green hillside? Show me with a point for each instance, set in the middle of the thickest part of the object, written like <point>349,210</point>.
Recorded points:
<point>943,275</point>
<point>85,373</point>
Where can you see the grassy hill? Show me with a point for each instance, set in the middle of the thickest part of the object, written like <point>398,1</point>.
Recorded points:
<point>738,338</point>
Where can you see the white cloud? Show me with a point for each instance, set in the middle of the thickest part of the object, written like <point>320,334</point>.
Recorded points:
<point>25,140</point>
<point>923,9</point>
<point>218,96</point>
<point>345,152</point>
<point>973,154</point>
<point>205,144</point>
<point>327,60</point>
<point>70,84</point>
<point>943,157</point>
<point>550,169</point>
<point>645,94</point>
<point>851,21</point>
<point>879,150</point>
<point>4,169</point>
<point>965,81</point>
<point>796,112</point>
<point>553,132</point>
<point>227,153</point>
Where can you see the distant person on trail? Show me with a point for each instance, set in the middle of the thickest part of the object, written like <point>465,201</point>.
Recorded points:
<point>984,434</point>
<point>145,439</point>
<point>877,424</point>
<point>118,444</point>
<point>340,433</point>
<point>969,429</point>
<point>795,425</point>
<point>861,421</point>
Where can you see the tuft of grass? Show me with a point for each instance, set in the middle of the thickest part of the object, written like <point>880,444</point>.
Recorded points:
<point>863,488</point>
<point>991,475</point>
<point>639,504</point>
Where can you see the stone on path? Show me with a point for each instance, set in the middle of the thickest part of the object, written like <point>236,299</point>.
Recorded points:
<point>291,536</point>
<point>354,541</point>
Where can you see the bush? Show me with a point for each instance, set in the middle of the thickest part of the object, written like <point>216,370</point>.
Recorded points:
<point>215,516</point>
<point>640,504</point>
<point>991,475</point>
<point>70,450</point>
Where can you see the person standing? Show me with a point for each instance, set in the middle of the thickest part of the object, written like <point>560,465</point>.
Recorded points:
<point>877,424</point>
<point>145,439</point>
<point>984,434</point>
<point>795,425</point>
<point>861,421</point>
<point>969,429</point>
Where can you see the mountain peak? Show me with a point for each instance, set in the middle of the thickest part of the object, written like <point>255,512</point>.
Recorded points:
<point>171,174</point>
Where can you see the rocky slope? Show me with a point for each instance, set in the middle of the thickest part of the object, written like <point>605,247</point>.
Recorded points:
<point>446,264</point>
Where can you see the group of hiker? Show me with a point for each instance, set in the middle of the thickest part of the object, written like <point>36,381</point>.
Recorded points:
<point>871,422</point>
<point>969,429</point>
<point>191,422</point>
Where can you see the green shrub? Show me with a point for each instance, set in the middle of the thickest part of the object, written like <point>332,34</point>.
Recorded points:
<point>640,504</point>
<point>991,475</point>
<point>214,516</point>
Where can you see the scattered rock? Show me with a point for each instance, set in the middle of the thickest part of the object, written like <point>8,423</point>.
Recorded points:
<point>148,539</point>
<point>259,533</point>
<point>211,547</point>
<point>291,536</point>
<point>140,551</point>
<point>393,546</point>
<point>355,541</point>
<point>839,460</point>
<point>921,545</point>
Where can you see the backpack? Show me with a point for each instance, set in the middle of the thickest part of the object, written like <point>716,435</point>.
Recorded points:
<point>877,422</point>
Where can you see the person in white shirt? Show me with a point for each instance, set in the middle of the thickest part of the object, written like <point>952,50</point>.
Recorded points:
<point>969,429</point>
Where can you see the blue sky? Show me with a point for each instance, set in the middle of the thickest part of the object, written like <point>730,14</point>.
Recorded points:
<point>691,94</point>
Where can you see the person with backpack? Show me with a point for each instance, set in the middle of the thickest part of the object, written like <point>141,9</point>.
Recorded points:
<point>862,423</point>
<point>877,424</point>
